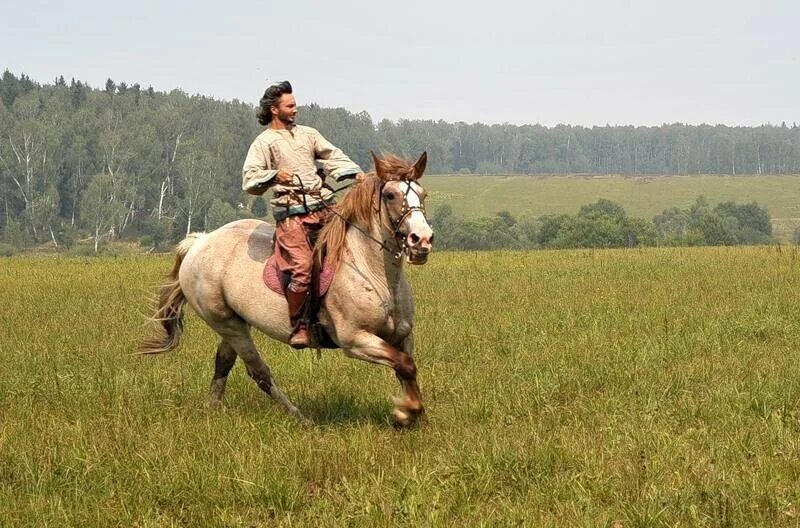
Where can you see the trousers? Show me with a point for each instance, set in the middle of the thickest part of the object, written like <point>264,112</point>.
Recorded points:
<point>294,254</point>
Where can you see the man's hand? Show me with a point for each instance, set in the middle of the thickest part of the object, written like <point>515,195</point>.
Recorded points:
<point>361,176</point>
<point>284,178</point>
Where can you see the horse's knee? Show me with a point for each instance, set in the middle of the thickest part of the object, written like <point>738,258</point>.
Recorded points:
<point>406,369</point>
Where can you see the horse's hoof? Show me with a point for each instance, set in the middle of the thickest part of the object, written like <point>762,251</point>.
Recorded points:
<point>299,416</point>
<point>401,418</point>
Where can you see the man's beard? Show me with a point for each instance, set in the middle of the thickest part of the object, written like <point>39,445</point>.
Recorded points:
<point>286,118</point>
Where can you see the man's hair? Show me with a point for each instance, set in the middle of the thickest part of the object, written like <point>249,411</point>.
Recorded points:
<point>272,96</point>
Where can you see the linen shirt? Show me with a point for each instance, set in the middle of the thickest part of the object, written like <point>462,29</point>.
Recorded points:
<point>294,151</point>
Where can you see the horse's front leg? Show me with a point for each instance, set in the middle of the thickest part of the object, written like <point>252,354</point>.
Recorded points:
<point>411,404</point>
<point>369,347</point>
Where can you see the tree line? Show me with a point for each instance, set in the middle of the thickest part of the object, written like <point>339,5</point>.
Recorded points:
<point>84,163</point>
<point>605,224</point>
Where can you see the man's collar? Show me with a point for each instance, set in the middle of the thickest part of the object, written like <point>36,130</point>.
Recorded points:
<point>290,129</point>
<point>287,127</point>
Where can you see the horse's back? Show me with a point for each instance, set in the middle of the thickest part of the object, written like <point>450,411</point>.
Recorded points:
<point>215,252</point>
<point>256,234</point>
<point>222,267</point>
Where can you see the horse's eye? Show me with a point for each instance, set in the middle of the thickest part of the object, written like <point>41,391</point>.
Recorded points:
<point>389,196</point>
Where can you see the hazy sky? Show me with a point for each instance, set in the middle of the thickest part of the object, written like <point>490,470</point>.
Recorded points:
<point>575,62</point>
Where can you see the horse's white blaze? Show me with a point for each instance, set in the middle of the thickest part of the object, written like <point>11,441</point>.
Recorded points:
<point>416,220</point>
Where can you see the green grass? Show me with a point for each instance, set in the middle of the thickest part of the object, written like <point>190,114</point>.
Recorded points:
<point>640,196</point>
<point>655,387</point>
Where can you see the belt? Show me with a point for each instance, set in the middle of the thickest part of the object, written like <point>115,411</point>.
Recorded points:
<point>281,213</point>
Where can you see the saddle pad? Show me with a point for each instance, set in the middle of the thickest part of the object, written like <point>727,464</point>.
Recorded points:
<point>272,276</point>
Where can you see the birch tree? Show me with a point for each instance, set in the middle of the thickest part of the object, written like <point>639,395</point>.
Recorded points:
<point>25,155</point>
<point>199,184</point>
<point>99,209</point>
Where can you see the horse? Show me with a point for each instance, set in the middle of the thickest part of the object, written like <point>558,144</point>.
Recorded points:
<point>368,310</point>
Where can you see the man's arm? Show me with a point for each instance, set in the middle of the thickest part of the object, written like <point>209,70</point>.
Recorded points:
<point>334,161</point>
<point>257,172</point>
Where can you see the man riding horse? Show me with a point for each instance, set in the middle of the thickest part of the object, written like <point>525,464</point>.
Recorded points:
<point>283,157</point>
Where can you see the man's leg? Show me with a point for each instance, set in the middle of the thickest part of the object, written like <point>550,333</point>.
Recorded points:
<point>295,257</point>
<point>297,301</point>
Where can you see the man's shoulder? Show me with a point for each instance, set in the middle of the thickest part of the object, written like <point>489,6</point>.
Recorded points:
<point>307,129</point>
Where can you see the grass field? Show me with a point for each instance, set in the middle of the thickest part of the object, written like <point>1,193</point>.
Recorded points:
<point>655,387</point>
<point>640,196</point>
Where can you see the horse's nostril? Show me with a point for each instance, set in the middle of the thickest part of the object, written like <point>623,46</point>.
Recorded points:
<point>413,238</point>
<point>430,239</point>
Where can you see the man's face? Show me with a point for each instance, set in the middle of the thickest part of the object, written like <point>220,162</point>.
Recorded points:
<point>286,111</point>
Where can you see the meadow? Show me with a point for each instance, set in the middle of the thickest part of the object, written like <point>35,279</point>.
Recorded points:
<point>641,196</point>
<point>643,387</point>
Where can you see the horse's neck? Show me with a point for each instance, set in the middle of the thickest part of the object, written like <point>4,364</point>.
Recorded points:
<point>372,259</point>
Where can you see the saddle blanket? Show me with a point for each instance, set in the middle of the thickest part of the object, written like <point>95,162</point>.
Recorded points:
<point>277,281</point>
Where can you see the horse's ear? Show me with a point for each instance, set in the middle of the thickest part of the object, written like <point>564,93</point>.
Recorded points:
<point>419,166</point>
<point>378,165</point>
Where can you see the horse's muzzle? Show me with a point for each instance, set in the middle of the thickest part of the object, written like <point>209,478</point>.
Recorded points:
<point>417,255</point>
<point>418,247</point>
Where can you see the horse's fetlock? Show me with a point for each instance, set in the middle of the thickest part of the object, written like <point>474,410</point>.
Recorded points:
<point>415,407</point>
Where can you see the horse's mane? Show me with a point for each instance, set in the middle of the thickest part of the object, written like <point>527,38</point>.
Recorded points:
<point>357,207</point>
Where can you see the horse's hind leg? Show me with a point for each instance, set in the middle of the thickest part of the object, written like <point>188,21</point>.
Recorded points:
<point>259,371</point>
<point>223,363</point>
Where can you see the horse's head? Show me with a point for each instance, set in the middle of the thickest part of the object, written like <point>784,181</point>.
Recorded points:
<point>403,200</point>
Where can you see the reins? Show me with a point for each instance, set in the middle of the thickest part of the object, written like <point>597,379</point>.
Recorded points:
<point>382,243</point>
<point>400,241</point>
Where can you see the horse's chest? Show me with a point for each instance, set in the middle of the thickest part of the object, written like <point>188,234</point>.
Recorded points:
<point>396,325</point>
<point>368,305</point>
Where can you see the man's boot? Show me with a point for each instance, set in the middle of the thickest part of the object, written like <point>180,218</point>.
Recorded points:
<point>296,300</point>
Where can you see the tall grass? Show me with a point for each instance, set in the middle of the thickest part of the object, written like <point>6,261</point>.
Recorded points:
<point>654,387</point>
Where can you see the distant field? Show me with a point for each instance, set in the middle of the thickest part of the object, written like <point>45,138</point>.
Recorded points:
<point>633,388</point>
<point>640,196</point>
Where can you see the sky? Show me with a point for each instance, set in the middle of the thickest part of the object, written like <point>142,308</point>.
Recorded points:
<point>523,62</point>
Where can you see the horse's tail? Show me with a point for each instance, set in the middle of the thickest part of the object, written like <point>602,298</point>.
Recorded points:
<point>167,321</point>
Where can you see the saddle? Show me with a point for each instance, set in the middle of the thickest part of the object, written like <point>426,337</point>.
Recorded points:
<point>321,278</point>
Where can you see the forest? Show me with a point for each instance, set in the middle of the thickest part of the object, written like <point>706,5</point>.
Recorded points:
<point>126,162</point>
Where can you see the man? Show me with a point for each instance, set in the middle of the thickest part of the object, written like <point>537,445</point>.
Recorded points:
<point>283,158</point>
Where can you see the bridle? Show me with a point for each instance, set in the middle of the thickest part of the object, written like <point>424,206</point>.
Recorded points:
<point>400,241</point>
